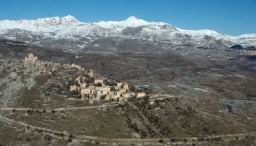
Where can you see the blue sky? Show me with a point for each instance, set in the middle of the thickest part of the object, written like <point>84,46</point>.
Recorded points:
<point>232,17</point>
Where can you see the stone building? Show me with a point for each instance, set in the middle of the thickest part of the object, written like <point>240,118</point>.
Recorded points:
<point>31,59</point>
<point>126,86</point>
<point>83,85</point>
<point>85,93</point>
<point>76,66</point>
<point>91,73</point>
<point>128,95</point>
<point>96,89</point>
<point>140,94</point>
<point>99,80</point>
<point>119,85</point>
<point>105,90</point>
<point>74,88</point>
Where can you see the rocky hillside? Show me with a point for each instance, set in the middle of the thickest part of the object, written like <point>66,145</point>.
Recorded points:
<point>199,97</point>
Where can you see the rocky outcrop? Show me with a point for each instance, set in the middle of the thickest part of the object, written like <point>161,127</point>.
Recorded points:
<point>245,51</point>
<point>237,47</point>
<point>249,52</point>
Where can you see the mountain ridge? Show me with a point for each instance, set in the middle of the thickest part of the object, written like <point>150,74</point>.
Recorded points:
<point>70,28</point>
<point>131,21</point>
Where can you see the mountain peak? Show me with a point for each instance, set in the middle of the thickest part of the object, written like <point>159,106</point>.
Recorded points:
<point>70,18</point>
<point>132,18</point>
<point>134,21</point>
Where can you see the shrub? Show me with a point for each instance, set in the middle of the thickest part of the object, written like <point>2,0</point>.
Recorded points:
<point>53,111</point>
<point>160,141</point>
<point>69,139</point>
<point>98,85</point>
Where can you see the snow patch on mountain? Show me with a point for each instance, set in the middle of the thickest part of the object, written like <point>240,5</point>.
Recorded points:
<point>50,24</point>
<point>131,21</point>
<point>204,32</point>
<point>247,36</point>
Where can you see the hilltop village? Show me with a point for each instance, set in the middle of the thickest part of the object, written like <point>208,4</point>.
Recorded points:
<point>89,85</point>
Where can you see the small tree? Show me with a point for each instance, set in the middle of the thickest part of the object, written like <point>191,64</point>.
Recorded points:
<point>161,141</point>
<point>98,85</point>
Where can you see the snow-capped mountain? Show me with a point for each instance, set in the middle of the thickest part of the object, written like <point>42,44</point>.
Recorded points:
<point>80,34</point>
